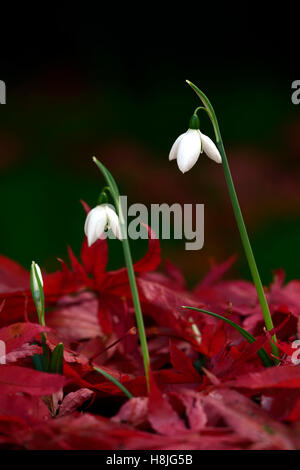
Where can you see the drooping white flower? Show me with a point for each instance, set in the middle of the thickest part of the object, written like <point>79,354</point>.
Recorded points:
<point>189,145</point>
<point>98,219</point>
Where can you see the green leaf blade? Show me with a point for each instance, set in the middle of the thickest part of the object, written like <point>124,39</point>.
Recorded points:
<point>114,381</point>
<point>263,355</point>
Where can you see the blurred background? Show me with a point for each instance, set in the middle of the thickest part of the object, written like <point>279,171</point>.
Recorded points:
<point>112,84</point>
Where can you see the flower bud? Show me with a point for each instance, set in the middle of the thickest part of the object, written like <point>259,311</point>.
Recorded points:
<point>36,281</point>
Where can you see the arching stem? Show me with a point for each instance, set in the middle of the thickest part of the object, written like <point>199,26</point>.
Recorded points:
<point>239,217</point>
<point>113,188</point>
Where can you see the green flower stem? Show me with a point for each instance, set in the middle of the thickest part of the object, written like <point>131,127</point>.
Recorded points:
<point>247,247</point>
<point>137,308</point>
<point>135,296</point>
<point>129,265</point>
<point>39,301</point>
<point>239,218</point>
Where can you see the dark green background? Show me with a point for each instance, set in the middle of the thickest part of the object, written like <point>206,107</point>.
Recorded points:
<point>86,85</point>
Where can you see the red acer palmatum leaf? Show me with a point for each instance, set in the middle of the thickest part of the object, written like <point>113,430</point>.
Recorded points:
<point>194,410</point>
<point>31,409</point>
<point>74,400</point>
<point>75,318</point>
<point>174,274</point>
<point>162,417</point>
<point>13,277</point>
<point>247,419</point>
<point>115,280</point>
<point>17,334</point>
<point>214,275</point>
<point>285,376</point>
<point>26,350</point>
<point>133,412</point>
<point>94,259</point>
<point>15,379</point>
<point>183,363</point>
<point>90,432</point>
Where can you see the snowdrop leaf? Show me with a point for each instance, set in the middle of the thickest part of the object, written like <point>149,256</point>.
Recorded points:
<point>261,352</point>
<point>56,361</point>
<point>114,381</point>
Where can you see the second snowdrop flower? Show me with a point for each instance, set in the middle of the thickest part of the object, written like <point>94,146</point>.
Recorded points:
<point>99,219</point>
<point>188,147</point>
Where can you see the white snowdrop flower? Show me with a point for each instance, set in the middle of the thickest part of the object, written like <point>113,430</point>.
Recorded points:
<point>98,219</point>
<point>189,145</point>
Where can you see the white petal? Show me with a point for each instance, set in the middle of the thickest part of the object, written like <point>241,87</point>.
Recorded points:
<point>173,151</point>
<point>95,224</point>
<point>114,222</point>
<point>100,227</point>
<point>210,149</point>
<point>189,149</point>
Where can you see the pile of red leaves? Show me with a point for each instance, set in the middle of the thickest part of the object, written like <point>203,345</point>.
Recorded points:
<point>207,392</point>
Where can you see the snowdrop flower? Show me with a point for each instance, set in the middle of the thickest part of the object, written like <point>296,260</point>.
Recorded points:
<point>188,147</point>
<point>98,219</point>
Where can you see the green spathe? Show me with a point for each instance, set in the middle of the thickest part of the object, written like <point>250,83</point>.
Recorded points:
<point>194,122</point>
